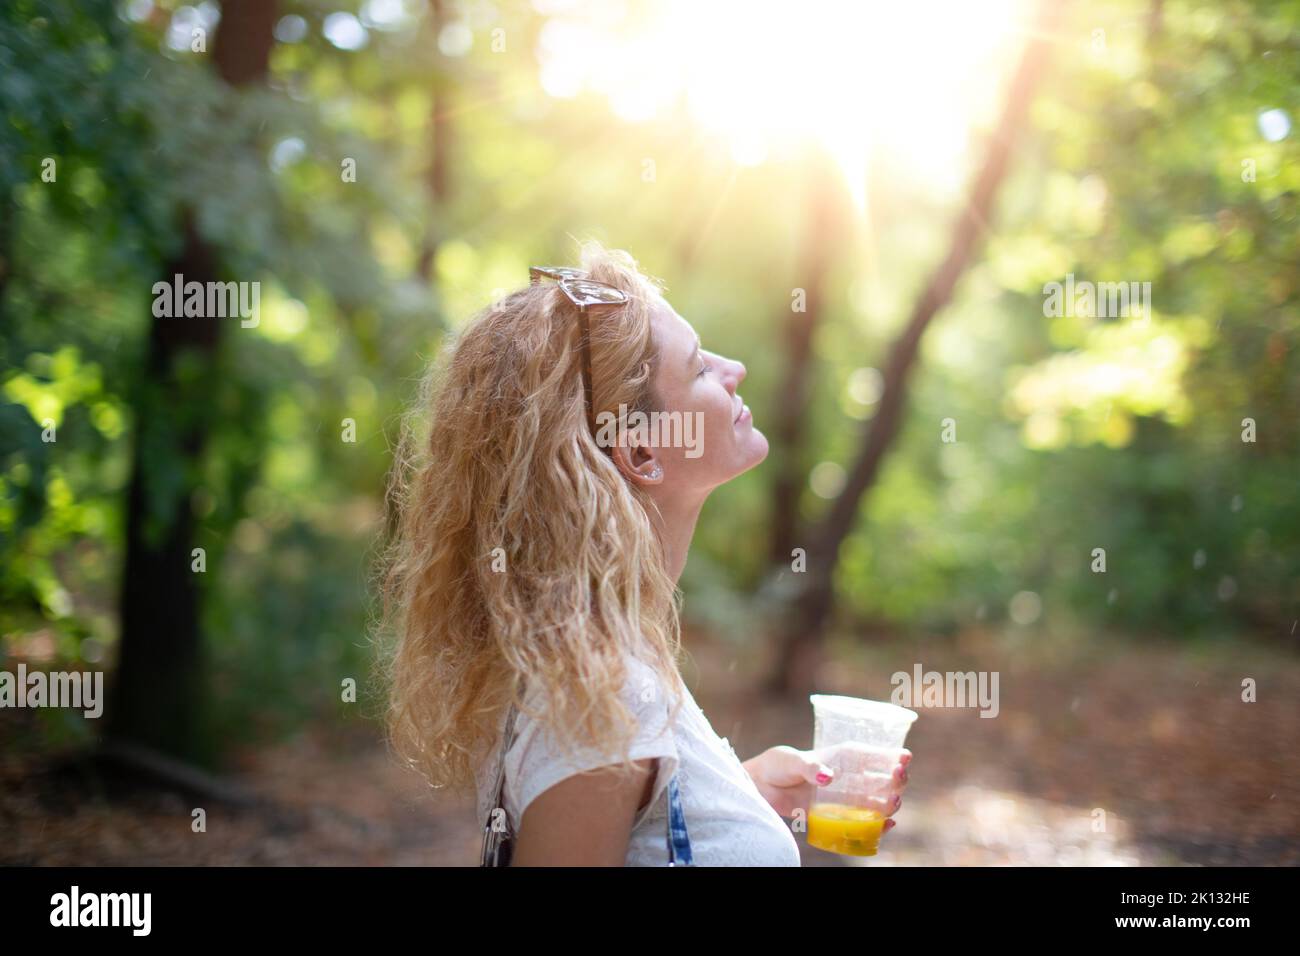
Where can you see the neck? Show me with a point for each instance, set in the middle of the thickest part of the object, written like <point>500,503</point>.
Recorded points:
<point>675,522</point>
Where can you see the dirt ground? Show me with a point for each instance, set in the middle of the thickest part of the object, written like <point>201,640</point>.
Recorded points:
<point>1125,756</point>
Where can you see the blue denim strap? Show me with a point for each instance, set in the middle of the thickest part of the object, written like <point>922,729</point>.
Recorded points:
<point>679,841</point>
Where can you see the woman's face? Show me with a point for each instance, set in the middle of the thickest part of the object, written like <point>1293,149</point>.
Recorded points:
<point>713,438</point>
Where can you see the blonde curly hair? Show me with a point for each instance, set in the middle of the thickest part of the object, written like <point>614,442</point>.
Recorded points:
<point>520,558</point>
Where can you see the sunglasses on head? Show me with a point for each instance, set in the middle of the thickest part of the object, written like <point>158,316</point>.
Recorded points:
<point>585,293</point>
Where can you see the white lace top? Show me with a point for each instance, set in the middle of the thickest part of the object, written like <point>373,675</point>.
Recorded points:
<point>727,819</point>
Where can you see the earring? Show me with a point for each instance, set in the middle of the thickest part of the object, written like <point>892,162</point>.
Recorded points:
<point>656,473</point>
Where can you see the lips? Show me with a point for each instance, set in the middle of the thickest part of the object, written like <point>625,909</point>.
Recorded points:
<point>741,415</point>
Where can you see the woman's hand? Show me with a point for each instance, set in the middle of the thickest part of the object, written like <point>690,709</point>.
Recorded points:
<point>788,778</point>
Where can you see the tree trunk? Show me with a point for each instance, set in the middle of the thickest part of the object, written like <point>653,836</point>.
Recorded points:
<point>159,674</point>
<point>8,218</point>
<point>440,130</point>
<point>801,636</point>
<point>823,233</point>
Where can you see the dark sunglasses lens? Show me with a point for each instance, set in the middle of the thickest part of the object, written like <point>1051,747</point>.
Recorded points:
<point>560,272</point>
<point>592,293</point>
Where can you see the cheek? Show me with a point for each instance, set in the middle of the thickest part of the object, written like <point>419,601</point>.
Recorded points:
<point>719,429</point>
<point>712,431</point>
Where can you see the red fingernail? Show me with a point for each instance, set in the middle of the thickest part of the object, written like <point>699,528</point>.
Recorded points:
<point>889,825</point>
<point>823,778</point>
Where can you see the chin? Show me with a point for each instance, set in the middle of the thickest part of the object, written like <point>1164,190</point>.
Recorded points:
<point>757,448</point>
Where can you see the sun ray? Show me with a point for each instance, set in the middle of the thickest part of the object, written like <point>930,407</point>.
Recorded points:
<point>853,77</point>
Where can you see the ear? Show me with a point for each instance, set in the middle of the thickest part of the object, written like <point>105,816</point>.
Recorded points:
<point>640,464</point>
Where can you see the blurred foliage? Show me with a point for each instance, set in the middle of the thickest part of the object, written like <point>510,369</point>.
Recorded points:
<point>1077,433</point>
<point>1073,433</point>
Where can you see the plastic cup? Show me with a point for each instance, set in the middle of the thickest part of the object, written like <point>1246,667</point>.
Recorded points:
<point>857,738</point>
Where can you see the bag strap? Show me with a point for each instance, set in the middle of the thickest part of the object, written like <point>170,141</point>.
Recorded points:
<point>497,844</point>
<point>499,787</point>
<point>679,840</point>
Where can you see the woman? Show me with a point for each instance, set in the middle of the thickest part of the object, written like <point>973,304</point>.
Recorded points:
<point>535,562</point>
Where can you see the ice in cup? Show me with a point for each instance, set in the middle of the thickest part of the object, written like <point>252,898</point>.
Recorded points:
<point>858,739</point>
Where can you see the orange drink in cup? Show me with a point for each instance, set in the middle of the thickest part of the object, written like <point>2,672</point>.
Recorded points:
<point>858,739</point>
<point>845,828</point>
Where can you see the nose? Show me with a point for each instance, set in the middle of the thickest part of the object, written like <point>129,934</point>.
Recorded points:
<point>738,372</point>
